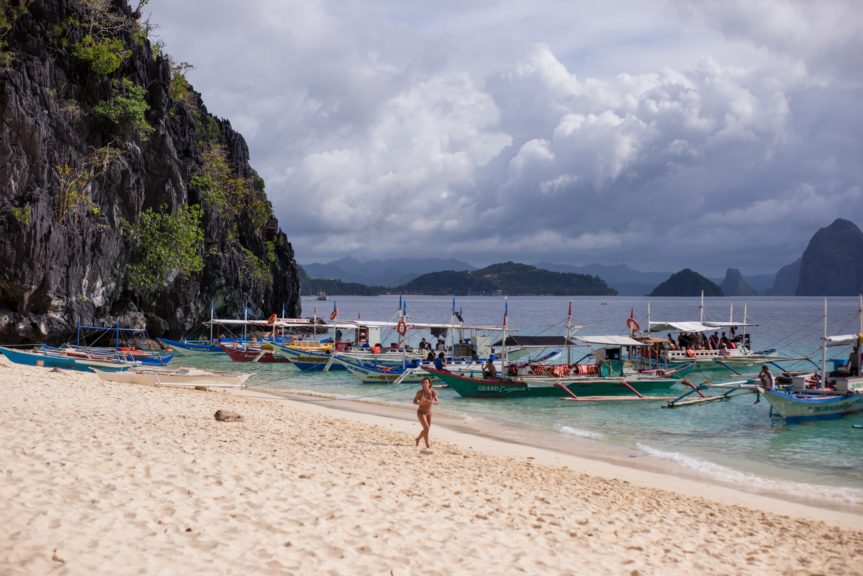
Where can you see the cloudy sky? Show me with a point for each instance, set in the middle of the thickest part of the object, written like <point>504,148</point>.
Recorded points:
<point>702,133</point>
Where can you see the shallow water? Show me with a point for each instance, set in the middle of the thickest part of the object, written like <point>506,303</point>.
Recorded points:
<point>734,441</point>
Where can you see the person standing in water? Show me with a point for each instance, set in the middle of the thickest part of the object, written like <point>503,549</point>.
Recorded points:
<point>425,398</point>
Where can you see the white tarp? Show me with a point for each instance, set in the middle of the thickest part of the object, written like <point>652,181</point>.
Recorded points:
<point>679,327</point>
<point>609,340</point>
<point>844,340</point>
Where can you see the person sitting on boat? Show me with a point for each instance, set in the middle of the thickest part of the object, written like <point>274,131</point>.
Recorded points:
<point>724,339</point>
<point>440,362</point>
<point>430,357</point>
<point>489,372</point>
<point>423,344</point>
<point>766,378</point>
<point>377,349</point>
<point>441,345</point>
<point>338,335</point>
<point>723,350</point>
<point>672,345</point>
<point>714,341</point>
<point>731,345</point>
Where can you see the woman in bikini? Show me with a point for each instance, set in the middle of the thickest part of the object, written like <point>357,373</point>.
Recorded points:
<point>425,398</point>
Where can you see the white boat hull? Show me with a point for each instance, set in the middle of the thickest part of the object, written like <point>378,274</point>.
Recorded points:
<point>182,377</point>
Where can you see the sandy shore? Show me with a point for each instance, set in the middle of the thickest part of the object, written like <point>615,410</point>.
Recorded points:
<point>123,479</point>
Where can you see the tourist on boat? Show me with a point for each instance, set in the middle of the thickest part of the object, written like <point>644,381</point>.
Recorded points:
<point>430,357</point>
<point>672,345</point>
<point>489,372</point>
<point>724,339</point>
<point>714,341</point>
<point>441,345</point>
<point>491,355</point>
<point>338,335</point>
<point>723,350</point>
<point>424,344</point>
<point>425,398</point>
<point>766,378</point>
<point>440,362</point>
<point>377,349</point>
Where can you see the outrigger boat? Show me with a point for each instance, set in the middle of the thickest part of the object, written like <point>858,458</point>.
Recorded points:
<point>264,354</point>
<point>824,395</point>
<point>736,355</point>
<point>38,357</point>
<point>606,379</point>
<point>179,377</point>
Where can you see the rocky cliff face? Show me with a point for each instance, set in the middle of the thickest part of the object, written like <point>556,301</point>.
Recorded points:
<point>121,197</point>
<point>687,282</point>
<point>735,285</point>
<point>787,279</point>
<point>832,264</point>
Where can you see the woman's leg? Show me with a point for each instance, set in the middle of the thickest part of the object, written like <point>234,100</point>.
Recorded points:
<point>427,427</point>
<point>421,417</point>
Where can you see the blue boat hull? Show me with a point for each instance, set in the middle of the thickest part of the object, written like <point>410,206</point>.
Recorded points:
<point>192,346</point>
<point>48,361</point>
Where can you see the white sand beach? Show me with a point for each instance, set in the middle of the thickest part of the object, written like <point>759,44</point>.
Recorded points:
<point>103,478</point>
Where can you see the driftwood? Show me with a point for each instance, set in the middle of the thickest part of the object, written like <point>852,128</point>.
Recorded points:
<point>227,416</point>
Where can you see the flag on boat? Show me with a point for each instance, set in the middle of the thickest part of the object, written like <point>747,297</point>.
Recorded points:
<point>505,310</point>
<point>335,313</point>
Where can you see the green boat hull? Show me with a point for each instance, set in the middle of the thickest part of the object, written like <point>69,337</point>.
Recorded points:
<point>481,388</point>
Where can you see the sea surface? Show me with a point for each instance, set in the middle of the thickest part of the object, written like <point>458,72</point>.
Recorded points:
<point>734,441</point>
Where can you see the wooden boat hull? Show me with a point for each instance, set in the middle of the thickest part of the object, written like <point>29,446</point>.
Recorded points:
<point>56,361</point>
<point>381,374</point>
<point>803,407</point>
<point>310,360</point>
<point>191,345</point>
<point>537,387</point>
<point>179,378</point>
<point>259,356</point>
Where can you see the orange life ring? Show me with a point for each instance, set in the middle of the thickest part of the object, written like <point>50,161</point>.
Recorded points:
<point>272,319</point>
<point>402,328</point>
<point>333,314</point>
<point>633,325</point>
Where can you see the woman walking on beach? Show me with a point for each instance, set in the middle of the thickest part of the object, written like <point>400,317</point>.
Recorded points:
<point>425,398</point>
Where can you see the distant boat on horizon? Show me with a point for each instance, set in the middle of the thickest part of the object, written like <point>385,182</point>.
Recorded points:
<point>321,296</point>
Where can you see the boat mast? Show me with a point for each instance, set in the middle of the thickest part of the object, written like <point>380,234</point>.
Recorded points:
<point>504,355</point>
<point>731,313</point>
<point>701,308</point>
<point>568,333</point>
<point>212,305</point>
<point>824,349</point>
<point>745,311</point>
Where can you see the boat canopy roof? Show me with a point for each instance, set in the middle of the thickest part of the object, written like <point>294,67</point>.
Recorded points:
<point>693,326</point>
<point>844,340</point>
<point>350,324</point>
<point>610,340</point>
<point>534,341</point>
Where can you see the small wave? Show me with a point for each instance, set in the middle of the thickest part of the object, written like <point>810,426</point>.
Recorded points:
<point>580,433</point>
<point>726,474</point>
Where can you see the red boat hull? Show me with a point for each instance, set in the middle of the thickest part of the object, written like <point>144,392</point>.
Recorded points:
<point>262,356</point>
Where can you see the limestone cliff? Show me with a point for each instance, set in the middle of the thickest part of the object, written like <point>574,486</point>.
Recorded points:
<point>786,281</point>
<point>832,264</point>
<point>735,285</point>
<point>121,197</point>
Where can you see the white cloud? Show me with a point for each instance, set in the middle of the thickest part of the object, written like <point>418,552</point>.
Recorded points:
<point>620,132</point>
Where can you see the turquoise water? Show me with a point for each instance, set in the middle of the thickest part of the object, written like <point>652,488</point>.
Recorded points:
<point>734,441</point>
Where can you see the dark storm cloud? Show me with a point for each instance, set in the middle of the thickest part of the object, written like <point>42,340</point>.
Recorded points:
<point>696,137</point>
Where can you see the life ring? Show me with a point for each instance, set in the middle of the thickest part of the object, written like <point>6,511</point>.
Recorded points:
<point>402,328</point>
<point>333,314</point>
<point>633,325</point>
<point>272,319</point>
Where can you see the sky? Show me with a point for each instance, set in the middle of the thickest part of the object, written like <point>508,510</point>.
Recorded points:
<point>705,134</point>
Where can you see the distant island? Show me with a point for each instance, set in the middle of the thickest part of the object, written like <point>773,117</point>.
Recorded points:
<point>687,283</point>
<point>509,278</point>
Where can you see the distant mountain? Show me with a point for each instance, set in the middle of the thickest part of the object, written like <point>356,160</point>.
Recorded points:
<point>627,281</point>
<point>832,264</point>
<point>507,278</point>
<point>786,280</point>
<point>761,283</point>
<point>310,286</point>
<point>687,283</point>
<point>382,272</point>
<point>735,285</point>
